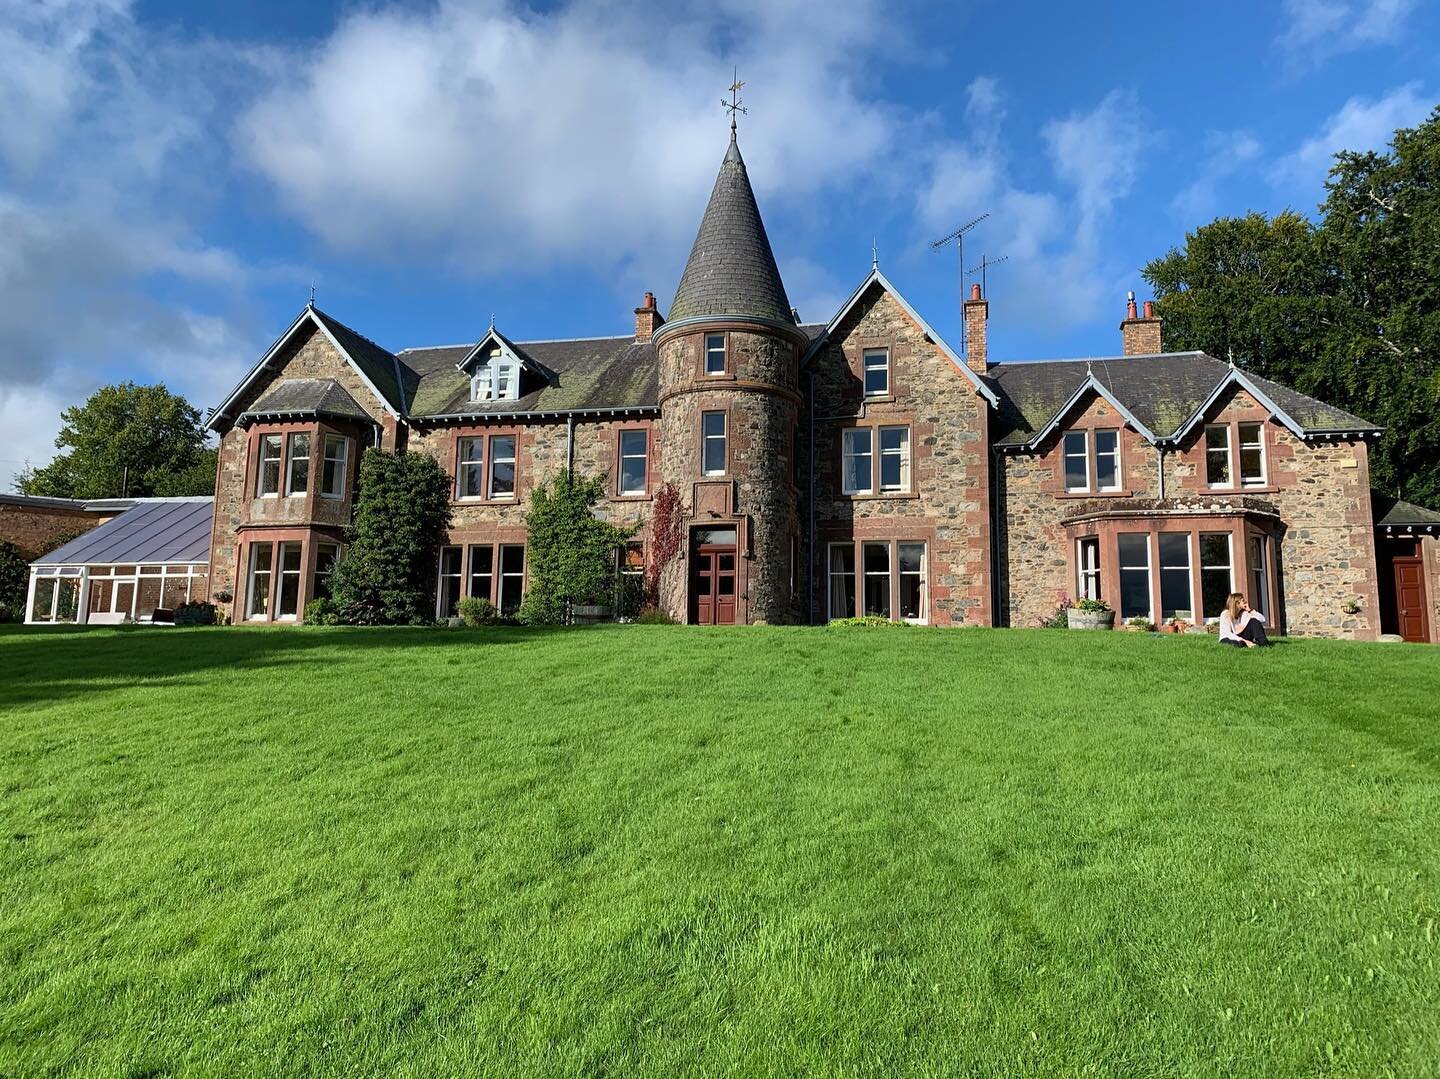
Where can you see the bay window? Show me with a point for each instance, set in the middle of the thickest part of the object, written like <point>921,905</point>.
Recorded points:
<point>1217,579</point>
<point>512,577</point>
<point>448,594</point>
<point>1259,576</point>
<point>267,480</point>
<point>1087,564</point>
<point>287,604</point>
<point>334,469</point>
<point>327,555</point>
<point>297,476</point>
<point>257,602</point>
<point>482,572</point>
<point>876,563</point>
<point>1176,600</point>
<point>912,581</point>
<point>1134,550</point>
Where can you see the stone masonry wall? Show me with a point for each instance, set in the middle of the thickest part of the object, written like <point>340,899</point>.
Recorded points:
<point>948,505</point>
<point>309,355</point>
<point>1322,489</point>
<point>758,397</point>
<point>1034,556</point>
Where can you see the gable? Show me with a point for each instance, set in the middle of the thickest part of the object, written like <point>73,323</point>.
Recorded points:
<point>877,283</point>
<point>317,347</point>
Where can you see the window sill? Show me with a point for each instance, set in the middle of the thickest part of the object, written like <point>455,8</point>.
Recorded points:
<point>486,501</point>
<point>621,497</point>
<point>880,496</point>
<point>879,398</point>
<point>1096,494</point>
<point>1265,489</point>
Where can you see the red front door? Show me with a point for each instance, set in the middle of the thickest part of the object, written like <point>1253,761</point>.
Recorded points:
<point>1410,599</point>
<point>712,585</point>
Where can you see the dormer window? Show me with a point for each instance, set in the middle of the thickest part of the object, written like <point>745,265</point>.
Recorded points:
<point>495,377</point>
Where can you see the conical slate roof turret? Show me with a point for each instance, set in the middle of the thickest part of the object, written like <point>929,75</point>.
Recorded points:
<point>731,270</point>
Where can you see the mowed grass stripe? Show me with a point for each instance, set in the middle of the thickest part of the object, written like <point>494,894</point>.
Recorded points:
<point>656,850</point>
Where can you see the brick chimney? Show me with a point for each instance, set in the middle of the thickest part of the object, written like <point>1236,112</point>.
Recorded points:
<point>647,318</point>
<point>977,313</point>
<point>1140,333</point>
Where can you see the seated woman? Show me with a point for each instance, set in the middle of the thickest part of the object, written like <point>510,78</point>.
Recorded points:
<point>1240,626</point>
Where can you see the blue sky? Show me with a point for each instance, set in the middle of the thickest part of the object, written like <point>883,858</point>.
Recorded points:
<point>174,177</point>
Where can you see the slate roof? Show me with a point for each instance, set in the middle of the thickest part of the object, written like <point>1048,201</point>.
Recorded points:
<point>731,269</point>
<point>1389,511</point>
<point>153,530</point>
<point>591,373</point>
<point>310,396</point>
<point>1162,392</point>
<point>377,364</point>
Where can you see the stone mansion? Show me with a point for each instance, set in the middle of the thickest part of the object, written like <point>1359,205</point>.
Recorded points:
<point>859,466</point>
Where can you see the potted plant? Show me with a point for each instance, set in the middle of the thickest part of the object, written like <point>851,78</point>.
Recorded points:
<point>1090,614</point>
<point>1141,623</point>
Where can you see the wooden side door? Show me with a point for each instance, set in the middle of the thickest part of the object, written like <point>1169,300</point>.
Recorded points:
<point>702,587</point>
<point>1410,600</point>
<point>724,586</point>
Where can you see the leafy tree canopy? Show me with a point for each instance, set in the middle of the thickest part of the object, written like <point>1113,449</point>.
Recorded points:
<point>1345,308</point>
<point>402,511</point>
<point>570,552</point>
<point>154,433</point>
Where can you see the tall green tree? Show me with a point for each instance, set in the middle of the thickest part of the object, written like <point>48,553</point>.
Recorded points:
<point>1345,308</point>
<point>402,511</point>
<point>127,439</point>
<point>570,552</point>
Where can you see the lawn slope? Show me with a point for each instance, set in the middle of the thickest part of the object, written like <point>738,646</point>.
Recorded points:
<point>655,850</point>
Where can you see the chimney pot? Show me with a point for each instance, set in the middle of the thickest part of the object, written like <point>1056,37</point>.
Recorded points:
<point>1149,308</point>
<point>975,292</point>
<point>977,314</point>
<point>649,303</point>
<point>647,318</point>
<point>1130,311</point>
<point>1140,336</point>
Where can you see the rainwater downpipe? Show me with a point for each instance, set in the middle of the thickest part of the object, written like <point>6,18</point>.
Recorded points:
<point>1160,468</point>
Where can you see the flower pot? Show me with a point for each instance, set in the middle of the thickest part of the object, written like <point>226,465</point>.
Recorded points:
<point>1077,619</point>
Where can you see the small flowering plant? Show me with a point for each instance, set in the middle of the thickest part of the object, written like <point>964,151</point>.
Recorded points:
<point>1090,605</point>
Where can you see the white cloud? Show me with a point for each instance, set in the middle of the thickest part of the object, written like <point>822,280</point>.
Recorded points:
<point>1360,124</point>
<point>1315,30</point>
<point>1224,154</point>
<point>106,159</point>
<point>498,139</point>
<point>1054,239</point>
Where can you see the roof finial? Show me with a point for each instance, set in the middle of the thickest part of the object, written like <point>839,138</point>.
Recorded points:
<point>492,320</point>
<point>733,105</point>
<point>1230,352</point>
<point>312,296</point>
<point>874,254</point>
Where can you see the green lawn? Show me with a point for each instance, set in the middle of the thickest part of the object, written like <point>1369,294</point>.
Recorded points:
<point>656,850</point>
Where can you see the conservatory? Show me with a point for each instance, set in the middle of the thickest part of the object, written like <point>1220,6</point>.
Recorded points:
<point>137,567</point>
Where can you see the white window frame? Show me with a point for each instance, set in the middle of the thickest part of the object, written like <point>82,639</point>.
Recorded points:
<point>492,459</point>
<point>1086,574</point>
<point>263,459</point>
<point>341,463</point>
<point>1149,567</point>
<point>831,574</point>
<point>1245,481</point>
<point>250,615</point>
<point>464,465</point>
<point>848,437</point>
<point>291,459</point>
<point>298,573</point>
<point>1229,451</point>
<point>865,574</point>
<point>1189,568</point>
<point>441,577</point>
<point>1259,573</point>
<point>1066,455</point>
<point>643,457</point>
<point>482,383</point>
<point>902,452</point>
<point>1119,478</point>
<point>501,573</point>
<point>723,438</point>
<point>924,578</point>
<point>471,552</point>
<point>496,378</point>
<point>1200,555</point>
<point>866,367</point>
<point>711,352</point>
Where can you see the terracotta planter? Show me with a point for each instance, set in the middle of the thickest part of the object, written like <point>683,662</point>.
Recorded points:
<point>1077,619</point>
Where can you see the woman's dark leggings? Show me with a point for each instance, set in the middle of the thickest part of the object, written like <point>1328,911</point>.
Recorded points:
<point>1253,631</point>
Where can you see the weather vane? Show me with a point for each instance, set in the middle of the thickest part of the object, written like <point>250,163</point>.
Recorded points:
<point>733,105</point>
